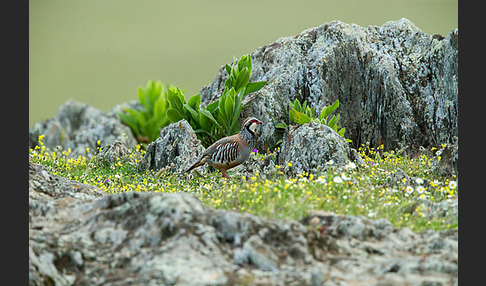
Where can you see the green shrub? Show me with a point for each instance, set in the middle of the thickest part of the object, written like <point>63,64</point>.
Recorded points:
<point>220,118</point>
<point>147,123</point>
<point>302,113</point>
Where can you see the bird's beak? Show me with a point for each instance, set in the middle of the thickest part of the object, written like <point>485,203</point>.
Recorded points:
<point>258,122</point>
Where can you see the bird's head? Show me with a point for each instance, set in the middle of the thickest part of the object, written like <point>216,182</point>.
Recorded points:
<point>251,124</point>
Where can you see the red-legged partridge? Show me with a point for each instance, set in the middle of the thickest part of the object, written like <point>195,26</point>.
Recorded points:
<point>231,151</point>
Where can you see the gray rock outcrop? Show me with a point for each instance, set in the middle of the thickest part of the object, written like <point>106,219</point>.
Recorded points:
<point>177,149</point>
<point>397,85</point>
<point>78,237</point>
<point>309,147</point>
<point>77,126</point>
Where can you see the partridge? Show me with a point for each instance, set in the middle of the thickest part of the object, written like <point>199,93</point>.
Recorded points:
<point>231,151</point>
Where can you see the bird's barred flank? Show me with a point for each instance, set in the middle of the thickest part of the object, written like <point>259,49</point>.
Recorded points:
<point>230,151</point>
<point>226,152</point>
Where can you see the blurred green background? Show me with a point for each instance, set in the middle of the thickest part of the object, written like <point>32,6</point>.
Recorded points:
<point>100,51</point>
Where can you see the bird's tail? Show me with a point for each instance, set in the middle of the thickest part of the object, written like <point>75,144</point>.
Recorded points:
<point>198,163</point>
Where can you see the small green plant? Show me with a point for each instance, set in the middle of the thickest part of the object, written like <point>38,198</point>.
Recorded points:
<point>147,123</point>
<point>220,118</point>
<point>302,113</point>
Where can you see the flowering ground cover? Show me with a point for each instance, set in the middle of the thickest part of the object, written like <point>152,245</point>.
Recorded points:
<point>371,190</point>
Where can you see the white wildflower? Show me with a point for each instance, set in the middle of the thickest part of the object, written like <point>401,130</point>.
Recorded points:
<point>452,184</point>
<point>337,180</point>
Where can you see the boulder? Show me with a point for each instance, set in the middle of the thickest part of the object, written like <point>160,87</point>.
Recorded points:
<point>115,153</point>
<point>78,126</point>
<point>177,149</point>
<point>311,147</point>
<point>397,85</point>
<point>445,160</point>
<point>78,236</point>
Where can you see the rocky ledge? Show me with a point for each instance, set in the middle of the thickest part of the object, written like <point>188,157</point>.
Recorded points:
<point>397,85</point>
<point>78,236</point>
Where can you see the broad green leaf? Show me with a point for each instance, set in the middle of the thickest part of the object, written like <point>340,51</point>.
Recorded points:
<point>309,112</point>
<point>297,105</point>
<point>195,101</point>
<point>174,115</point>
<point>252,87</point>
<point>141,97</point>
<point>131,122</point>
<point>228,107</point>
<point>229,82</point>
<point>235,70</point>
<point>333,121</point>
<point>298,117</point>
<point>137,115</point>
<point>291,105</point>
<point>192,112</point>
<point>210,116</point>
<point>335,105</point>
<point>236,111</point>
<point>241,63</point>
<point>174,99</point>
<point>323,115</point>
<point>327,110</point>
<point>222,102</point>
<point>281,125</point>
<point>341,131</point>
<point>159,109</point>
<point>157,90</point>
<point>150,130</point>
<point>146,102</point>
<point>234,127</point>
<point>180,94</point>
<point>242,79</point>
<point>212,106</point>
<point>249,63</point>
<point>224,123</point>
<point>204,121</point>
<point>228,69</point>
<point>154,93</point>
<point>304,107</point>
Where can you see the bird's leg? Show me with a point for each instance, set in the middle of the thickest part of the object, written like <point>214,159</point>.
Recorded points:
<point>225,175</point>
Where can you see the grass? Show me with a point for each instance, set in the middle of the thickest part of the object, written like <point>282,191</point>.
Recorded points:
<point>345,190</point>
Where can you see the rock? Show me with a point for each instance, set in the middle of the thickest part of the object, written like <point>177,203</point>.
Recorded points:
<point>157,239</point>
<point>78,126</point>
<point>445,160</point>
<point>258,254</point>
<point>176,149</point>
<point>397,85</point>
<point>114,153</point>
<point>446,209</point>
<point>309,147</point>
<point>377,245</point>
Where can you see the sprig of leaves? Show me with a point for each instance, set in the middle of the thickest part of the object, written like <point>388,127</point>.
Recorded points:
<point>302,113</point>
<point>220,118</point>
<point>147,123</point>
